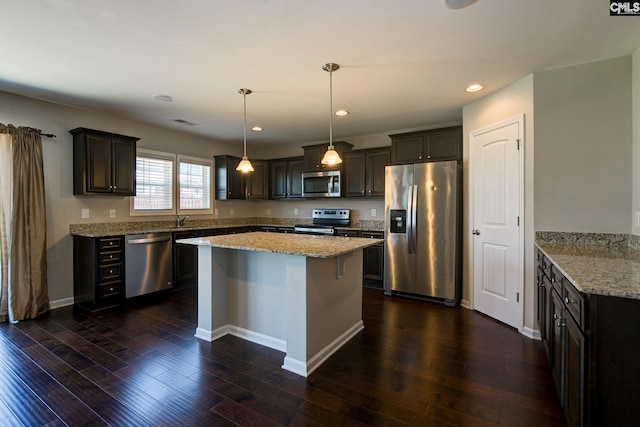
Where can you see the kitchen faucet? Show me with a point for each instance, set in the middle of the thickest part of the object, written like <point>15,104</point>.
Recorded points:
<point>181,222</point>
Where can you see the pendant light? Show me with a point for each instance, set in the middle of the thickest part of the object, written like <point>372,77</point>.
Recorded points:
<point>331,157</point>
<point>245,165</point>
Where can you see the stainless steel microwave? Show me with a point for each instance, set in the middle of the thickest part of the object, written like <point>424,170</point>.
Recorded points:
<point>321,184</point>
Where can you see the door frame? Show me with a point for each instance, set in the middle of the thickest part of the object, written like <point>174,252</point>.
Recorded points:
<point>518,119</point>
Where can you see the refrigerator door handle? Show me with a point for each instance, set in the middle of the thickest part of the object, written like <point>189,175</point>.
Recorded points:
<point>414,219</point>
<point>410,220</point>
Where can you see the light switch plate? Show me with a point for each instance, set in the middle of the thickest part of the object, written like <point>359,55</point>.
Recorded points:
<point>636,220</point>
<point>268,211</point>
<point>112,213</point>
<point>85,213</point>
<point>295,211</point>
<point>374,212</point>
<point>232,212</point>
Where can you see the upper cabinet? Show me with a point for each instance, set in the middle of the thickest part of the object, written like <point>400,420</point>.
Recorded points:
<point>286,178</point>
<point>103,163</point>
<point>313,154</point>
<point>427,146</point>
<point>230,184</point>
<point>257,181</point>
<point>364,172</point>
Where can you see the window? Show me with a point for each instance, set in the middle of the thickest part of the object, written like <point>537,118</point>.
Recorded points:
<point>164,178</point>
<point>154,183</point>
<point>194,185</point>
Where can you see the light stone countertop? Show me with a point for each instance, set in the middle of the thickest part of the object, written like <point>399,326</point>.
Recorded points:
<point>291,244</point>
<point>141,227</point>
<point>597,270</point>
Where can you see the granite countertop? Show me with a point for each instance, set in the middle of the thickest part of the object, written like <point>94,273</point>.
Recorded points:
<point>141,227</point>
<point>612,270</point>
<point>290,244</point>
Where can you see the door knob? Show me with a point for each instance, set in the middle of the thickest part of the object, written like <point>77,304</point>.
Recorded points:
<point>476,232</point>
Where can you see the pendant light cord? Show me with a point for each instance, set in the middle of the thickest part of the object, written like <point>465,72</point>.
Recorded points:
<point>330,107</point>
<point>244,97</point>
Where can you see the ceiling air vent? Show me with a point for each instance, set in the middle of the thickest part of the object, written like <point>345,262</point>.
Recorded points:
<point>184,122</point>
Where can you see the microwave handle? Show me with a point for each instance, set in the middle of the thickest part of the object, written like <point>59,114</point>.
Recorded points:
<point>330,187</point>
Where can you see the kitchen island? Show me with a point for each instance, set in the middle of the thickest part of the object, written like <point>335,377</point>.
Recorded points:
<point>296,293</point>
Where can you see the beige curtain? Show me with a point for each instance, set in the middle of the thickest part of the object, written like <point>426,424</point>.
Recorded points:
<point>27,289</point>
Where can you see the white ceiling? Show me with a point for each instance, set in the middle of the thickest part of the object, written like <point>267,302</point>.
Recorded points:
<point>404,63</point>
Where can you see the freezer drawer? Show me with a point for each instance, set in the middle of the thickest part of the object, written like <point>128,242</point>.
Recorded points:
<point>148,263</point>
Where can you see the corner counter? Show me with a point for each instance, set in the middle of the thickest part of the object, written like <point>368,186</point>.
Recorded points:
<point>296,293</point>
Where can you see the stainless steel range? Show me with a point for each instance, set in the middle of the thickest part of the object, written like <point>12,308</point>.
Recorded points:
<point>324,221</point>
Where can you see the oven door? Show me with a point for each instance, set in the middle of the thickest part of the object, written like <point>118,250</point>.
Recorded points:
<point>321,184</point>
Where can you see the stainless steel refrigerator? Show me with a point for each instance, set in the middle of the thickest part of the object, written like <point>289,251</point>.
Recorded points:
<point>422,228</point>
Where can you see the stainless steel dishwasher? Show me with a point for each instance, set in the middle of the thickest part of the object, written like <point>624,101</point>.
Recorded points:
<point>148,263</point>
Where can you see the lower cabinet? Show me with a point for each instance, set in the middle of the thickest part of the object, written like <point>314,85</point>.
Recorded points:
<point>185,257</point>
<point>373,261</point>
<point>592,343</point>
<point>98,271</point>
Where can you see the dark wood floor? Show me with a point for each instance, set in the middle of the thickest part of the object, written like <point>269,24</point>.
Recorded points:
<point>415,363</point>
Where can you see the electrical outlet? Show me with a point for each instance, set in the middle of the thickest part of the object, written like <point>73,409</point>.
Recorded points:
<point>374,212</point>
<point>295,211</point>
<point>112,213</point>
<point>636,220</point>
<point>85,213</point>
<point>216,212</point>
<point>232,212</point>
<point>268,211</point>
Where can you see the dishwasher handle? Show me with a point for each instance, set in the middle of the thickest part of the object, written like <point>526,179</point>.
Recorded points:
<point>149,240</point>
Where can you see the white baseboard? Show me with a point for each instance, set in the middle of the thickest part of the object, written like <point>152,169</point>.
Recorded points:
<point>59,303</point>
<point>305,369</point>
<point>207,335</point>
<point>258,338</point>
<point>534,334</point>
<point>465,304</point>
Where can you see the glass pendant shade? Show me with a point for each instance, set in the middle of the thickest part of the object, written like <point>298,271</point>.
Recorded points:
<point>245,165</point>
<point>331,157</point>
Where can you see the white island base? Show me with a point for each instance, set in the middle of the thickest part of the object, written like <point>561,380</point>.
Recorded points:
<point>306,307</point>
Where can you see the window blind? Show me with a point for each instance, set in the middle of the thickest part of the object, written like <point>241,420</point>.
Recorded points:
<point>195,186</point>
<point>154,184</point>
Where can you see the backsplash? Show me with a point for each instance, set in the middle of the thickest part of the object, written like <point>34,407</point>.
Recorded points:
<point>589,239</point>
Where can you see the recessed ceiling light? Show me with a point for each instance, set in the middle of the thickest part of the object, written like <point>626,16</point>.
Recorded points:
<point>458,4</point>
<point>257,128</point>
<point>341,113</point>
<point>474,87</point>
<point>164,98</point>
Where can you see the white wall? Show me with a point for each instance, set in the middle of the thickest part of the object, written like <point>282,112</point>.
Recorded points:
<point>512,100</point>
<point>635,119</point>
<point>583,168</point>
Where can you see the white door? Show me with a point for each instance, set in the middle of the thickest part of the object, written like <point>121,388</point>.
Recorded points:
<point>495,160</point>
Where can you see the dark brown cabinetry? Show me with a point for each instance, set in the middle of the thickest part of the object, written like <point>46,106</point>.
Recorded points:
<point>592,343</point>
<point>258,180</point>
<point>103,163</point>
<point>313,155</point>
<point>373,261</point>
<point>230,184</point>
<point>364,172</point>
<point>98,271</point>
<point>285,178</point>
<point>185,257</point>
<point>427,146</point>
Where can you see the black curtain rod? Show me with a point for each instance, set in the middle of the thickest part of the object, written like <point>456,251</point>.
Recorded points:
<point>48,135</point>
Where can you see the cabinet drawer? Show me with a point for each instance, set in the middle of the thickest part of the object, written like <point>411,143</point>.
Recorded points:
<point>557,279</point>
<point>109,289</point>
<point>110,257</point>
<point>543,263</point>
<point>347,233</point>
<point>110,272</point>
<point>373,234</point>
<point>575,303</point>
<point>109,244</point>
